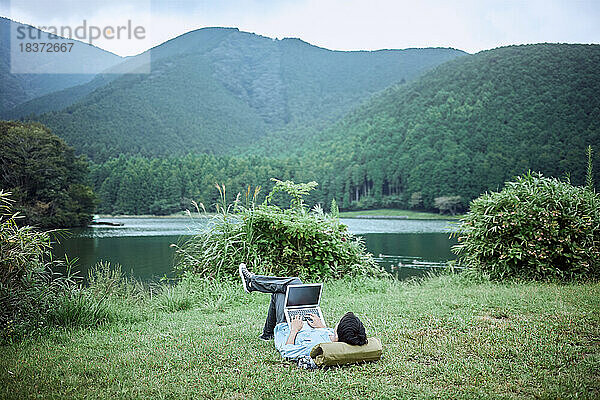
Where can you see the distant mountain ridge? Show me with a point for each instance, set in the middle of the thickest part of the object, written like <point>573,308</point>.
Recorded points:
<point>218,90</point>
<point>16,89</point>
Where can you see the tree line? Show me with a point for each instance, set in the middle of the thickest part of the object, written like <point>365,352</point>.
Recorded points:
<point>47,181</point>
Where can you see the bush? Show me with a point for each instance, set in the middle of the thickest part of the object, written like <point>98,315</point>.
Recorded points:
<point>173,298</point>
<point>535,228</point>
<point>25,275</point>
<point>276,241</point>
<point>448,204</point>
<point>32,295</point>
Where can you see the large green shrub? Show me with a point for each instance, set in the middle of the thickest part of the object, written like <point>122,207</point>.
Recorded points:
<point>535,228</point>
<point>276,241</point>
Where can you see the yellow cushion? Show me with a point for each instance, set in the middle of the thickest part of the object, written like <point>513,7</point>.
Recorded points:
<point>338,353</point>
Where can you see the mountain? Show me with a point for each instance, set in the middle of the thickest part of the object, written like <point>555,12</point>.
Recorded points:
<point>469,125</point>
<point>219,90</point>
<point>61,99</point>
<point>460,129</point>
<point>17,88</point>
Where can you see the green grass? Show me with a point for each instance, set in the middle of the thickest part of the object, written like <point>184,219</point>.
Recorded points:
<point>392,212</point>
<point>445,337</point>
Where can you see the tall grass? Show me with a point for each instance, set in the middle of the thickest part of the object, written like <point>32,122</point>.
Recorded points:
<point>272,240</point>
<point>106,280</point>
<point>29,289</point>
<point>34,297</point>
<point>225,242</point>
<point>78,307</point>
<point>195,291</point>
<point>589,176</point>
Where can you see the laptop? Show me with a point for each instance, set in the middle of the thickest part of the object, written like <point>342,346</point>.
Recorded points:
<point>303,300</point>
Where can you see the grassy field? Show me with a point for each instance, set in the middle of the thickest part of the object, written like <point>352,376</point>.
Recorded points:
<point>384,212</point>
<point>445,337</point>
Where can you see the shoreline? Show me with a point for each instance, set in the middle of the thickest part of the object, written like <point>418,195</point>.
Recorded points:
<point>396,213</point>
<point>387,214</point>
<point>179,215</point>
<point>400,217</point>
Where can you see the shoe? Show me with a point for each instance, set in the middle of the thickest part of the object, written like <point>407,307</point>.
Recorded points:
<point>246,276</point>
<point>266,337</point>
<point>305,362</point>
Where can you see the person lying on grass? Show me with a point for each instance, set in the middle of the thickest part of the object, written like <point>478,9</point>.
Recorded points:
<point>298,341</point>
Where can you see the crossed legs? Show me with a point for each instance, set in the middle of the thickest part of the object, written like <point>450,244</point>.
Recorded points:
<point>277,287</point>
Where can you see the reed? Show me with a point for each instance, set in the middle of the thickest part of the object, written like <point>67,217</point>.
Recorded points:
<point>290,241</point>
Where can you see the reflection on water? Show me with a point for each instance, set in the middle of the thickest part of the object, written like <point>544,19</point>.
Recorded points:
<point>145,227</point>
<point>147,257</point>
<point>403,267</point>
<point>143,245</point>
<point>188,226</point>
<point>430,246</point>
<point>360,226</point>
<point>406,255</point>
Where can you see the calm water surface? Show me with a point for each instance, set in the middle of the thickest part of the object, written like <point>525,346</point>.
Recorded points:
<point>142,246</point>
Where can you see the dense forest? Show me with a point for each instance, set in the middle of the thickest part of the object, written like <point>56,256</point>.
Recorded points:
<point>218,90</point>
<point>160,186</point>
<point>471,124</point>
<point>140,185</point>
<point>47,181</point>
<point>463,128</point>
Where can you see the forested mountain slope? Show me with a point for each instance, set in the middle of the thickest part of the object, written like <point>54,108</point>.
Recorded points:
<point>61,99</point>
<point>472,123</point>
<point>16,89</point>
<point>463,128</point>
<point>218,90</point>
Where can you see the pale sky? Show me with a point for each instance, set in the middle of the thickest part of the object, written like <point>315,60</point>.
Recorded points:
<point>469,25</point>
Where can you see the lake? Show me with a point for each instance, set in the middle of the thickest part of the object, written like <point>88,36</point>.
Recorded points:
<point>142,246</point>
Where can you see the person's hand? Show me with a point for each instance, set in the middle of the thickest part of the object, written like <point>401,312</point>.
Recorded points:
<point>296,323</point>
<point>315,321</point>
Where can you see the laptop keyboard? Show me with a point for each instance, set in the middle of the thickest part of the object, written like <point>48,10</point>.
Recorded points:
<point>303,313</point>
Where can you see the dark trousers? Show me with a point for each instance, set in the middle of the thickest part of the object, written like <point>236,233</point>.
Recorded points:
<point>277,287</point>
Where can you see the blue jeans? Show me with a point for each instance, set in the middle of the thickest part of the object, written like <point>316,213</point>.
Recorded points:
<point>277,287</point>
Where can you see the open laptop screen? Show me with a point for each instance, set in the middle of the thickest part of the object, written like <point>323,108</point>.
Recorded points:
<point>303,295</point>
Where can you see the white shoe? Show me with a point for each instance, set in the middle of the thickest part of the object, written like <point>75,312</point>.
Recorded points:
<point>245,275</point>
